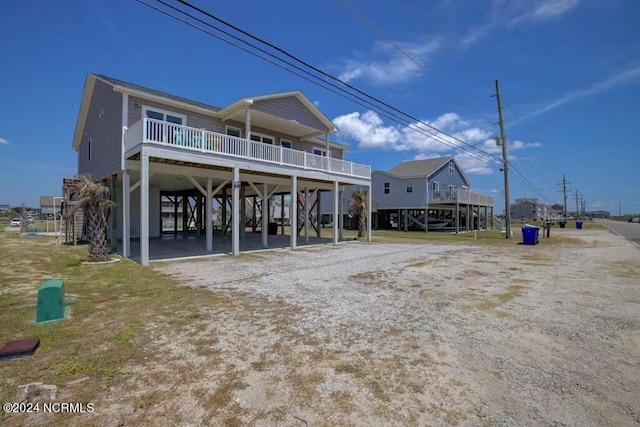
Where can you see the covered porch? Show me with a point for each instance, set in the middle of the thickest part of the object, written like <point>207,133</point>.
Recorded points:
<point>200,183</point>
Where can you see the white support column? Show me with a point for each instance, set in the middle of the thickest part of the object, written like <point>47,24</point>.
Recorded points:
<point>126,212</point>
<point>306,214</point>
<point>265,216</point>
<point>247,130</point>
<point>294,212</point>
<point>125,124</point>
<point>243,214</point>
<point>235,212</point>
<point>336,202</point>
<point>426,208</point>
<point>326,143</point>
<point>209,215</point>
<point>341,214</point>
<point>369,213</point>
<point>144,207</point>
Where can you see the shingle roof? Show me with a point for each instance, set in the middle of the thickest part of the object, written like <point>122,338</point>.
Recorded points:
<point>418,168</point>
<point>150,91</point>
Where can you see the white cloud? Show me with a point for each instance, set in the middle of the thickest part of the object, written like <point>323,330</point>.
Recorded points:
<point>4,141</point>
<point>389,65</point>
<point>616,80</point>
<point>370,132</point>
<point>511,13</point>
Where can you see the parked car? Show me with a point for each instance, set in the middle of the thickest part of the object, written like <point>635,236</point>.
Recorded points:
<point>635,220</point>
<point>15,222</point>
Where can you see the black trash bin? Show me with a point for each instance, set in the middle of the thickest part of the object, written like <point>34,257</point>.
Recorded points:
<point>562,224</point>
<point>272,229</point>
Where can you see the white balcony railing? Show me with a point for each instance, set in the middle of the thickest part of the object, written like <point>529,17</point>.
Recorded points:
<point>466,196</point>
<point>460,195</point>
<point>159,132</point>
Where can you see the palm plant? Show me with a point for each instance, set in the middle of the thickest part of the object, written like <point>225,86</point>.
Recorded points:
<point>24,219</point>
<point>358,205</point>
<point>94,201</point>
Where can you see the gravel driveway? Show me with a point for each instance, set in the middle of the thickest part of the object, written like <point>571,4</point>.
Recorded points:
<point>415,334</point>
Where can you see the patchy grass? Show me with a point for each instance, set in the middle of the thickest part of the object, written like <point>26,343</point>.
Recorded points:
<point>106,336</point>
<point>510,293</point>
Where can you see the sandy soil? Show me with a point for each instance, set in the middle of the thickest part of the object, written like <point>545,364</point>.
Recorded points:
<point>411,334</point>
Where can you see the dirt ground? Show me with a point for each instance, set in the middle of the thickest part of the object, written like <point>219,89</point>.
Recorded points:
<point>414,334</point>
<point>397,332</point>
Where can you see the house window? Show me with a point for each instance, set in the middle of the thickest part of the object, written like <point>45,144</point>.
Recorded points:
<point>319,151</point>
<point>232,131</point>
<point>409,186</point>
<point>452,167</point>
<point>285,143</point>
<point>89,149</point>
<point>435,186</point>
<point>265,139</point>
<point>452,188</point>
<point>386,188</point>
<point>165,116</point>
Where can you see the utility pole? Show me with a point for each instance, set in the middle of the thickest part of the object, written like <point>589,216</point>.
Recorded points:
<point>505,168</point>
<point>564,192</point>
<point>577,196</point>
<point>620,207</point>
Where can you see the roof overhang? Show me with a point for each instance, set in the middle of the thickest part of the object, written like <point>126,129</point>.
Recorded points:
<point>247,101</point>
<point>164,100</point>
<point>87,93</point>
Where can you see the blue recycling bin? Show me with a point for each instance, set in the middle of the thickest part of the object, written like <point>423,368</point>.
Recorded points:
<point>579,225</point>
<point>530,235</point>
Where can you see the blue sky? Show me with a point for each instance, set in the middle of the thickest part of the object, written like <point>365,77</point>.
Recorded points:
<point>569,71</point>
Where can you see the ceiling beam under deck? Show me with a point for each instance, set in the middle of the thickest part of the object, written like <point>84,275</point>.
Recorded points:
<point>168,155</point>
<point>183,170</point>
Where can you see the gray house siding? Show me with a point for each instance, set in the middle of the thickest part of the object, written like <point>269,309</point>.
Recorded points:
<point>525,210</point>
<point>289,108</point>
<point>398,198</point>
<point>101,157</point>
<point>445,179</point>
<point>196,120</point>
<point>154,212</point>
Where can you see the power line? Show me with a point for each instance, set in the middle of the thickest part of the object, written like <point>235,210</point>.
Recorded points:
<point>322,83</point>
<point>385,113</point>
<point>324,73</point>
<point>389,40</point>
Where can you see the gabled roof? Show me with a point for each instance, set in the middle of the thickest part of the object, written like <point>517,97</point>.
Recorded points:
<point>242,102</point>
<point>418,168</point>
<point>137,88</point>
<point>424,168</point>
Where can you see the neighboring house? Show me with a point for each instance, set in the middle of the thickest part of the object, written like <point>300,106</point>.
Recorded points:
<point>149,145</point>
<point>402,195</point>
<point>46,207</point>
<point>4,208</point>
<point>529,209</point>
<point>597,214</point>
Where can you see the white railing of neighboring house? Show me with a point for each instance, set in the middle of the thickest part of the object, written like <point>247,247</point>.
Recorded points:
<point>467,197</point>
<point>160,132</point>
<point>460,195</point>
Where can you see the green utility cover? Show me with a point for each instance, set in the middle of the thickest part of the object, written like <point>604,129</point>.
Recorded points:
<point>51,303</point>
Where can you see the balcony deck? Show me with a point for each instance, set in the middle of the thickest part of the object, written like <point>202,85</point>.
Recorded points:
<point>151,131</point>
<point>461,196</point>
